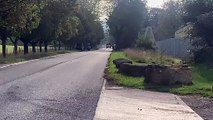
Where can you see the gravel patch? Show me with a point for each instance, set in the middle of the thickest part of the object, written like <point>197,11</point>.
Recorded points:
<point>201,105</point>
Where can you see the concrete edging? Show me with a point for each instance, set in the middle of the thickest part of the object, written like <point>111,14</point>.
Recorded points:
<point>100,98</point>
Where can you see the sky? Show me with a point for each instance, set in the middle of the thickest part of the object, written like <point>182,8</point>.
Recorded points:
<point>155,3</point>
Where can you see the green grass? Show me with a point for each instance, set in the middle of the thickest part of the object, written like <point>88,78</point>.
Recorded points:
<point>203,82</point>
<point>121,79</point>
<point>151,57</point>
<point>9,49</point>
<point>20,57</point>
<point>202,79</point>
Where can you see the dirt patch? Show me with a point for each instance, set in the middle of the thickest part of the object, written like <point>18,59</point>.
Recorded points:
<point>201,105</point>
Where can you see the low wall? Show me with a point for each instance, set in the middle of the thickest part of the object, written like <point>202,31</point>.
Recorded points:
<point>157,74</point>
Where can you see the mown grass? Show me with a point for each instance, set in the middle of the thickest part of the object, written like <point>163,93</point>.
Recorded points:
<point>10,48</point>
<point>202,79</point>
<point>20,57</point>
<point>121,79</point>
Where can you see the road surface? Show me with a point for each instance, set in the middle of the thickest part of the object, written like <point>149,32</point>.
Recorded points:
<point>66,87</point>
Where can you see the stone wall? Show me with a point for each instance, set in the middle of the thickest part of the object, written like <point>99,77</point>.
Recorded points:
<point>133,70</point>
<point>168,75</point>
<point>156,74</point>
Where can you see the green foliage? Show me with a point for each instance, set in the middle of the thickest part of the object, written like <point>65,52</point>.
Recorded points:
<point>126,20</point>
<point>45,21</point>
<point>121,79</point>
<point>144,43</point>
<point>166,21</point>
<point>69,28</point>
<point>202,80</point>
<point>19,16</point>
<point>150,57</point>
<point>200,14</point>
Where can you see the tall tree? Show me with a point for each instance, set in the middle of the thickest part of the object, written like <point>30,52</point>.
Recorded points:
<point>17,17</point>
<point>126,21</point>
<point>170,19</point>
<point>200,14</point>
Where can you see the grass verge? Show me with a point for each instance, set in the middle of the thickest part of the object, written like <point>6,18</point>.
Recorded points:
<point>10,48</point>
<point>121,79</point>
<point>202,79</point>
<point>20,57</point>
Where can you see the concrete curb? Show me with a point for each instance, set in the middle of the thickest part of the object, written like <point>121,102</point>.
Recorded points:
<point>100,98</point>
<point>24,62</point>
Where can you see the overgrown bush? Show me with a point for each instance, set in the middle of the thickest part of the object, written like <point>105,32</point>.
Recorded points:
<point>150,57</point>
<point>204,55</point>
<point>144,43</point>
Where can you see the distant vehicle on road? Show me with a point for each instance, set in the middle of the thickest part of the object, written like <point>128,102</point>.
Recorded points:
<point>108,45</point>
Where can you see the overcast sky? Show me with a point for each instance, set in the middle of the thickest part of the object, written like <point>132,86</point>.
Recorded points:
<point>155,3</point>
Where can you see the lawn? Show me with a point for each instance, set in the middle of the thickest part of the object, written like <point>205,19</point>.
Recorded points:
<point>121,79</point>
<point>9,49</point>
<point>202,79</point>
<point>20,57</point>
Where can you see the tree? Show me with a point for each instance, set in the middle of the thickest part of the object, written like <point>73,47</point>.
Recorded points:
<point>68,29</point>
<point>126,20</point>
<point>144,43</point>
<point>154,17</point>
<point>92,27</point>
<point>17,17</point>
<point>167,20</point>
<point>200,14</point>
<point>49,21</point>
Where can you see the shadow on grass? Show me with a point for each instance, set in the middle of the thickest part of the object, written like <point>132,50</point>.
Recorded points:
<point>160,88</point>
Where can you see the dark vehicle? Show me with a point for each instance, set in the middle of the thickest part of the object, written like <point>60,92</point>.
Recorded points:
<point>108,45</point>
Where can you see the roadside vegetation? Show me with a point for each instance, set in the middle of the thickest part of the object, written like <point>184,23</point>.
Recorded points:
<point>141,28</point>
<point>20,57</point>
<point>121,79</point>
<point>63,24</point>
<point>10,49</point>
<point>150,57</point>
<point>202,78</point>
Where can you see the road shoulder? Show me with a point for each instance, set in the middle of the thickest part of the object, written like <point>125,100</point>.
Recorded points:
<point>117,103</point>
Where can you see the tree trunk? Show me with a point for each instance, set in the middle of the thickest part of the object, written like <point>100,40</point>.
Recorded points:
<point>59,45</point>
<point>4,42</point>
<point>34,48</point>
<point>15,46</point>
<point>26,50</point>
<point>55,47</point>
<point>40,46</point>
<point>45,46</point>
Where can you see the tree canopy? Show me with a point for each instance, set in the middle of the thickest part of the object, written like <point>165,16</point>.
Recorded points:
<point>199,14</point>
<point>126,21</point>
<point>45,22</point>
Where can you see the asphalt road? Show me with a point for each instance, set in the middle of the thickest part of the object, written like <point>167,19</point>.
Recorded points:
<point>59,88</point>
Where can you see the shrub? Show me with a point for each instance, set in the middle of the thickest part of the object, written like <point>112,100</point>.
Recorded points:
<point>150,57</point>
<point>144,43</point>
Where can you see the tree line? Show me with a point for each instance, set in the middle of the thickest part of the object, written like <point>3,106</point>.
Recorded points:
<point>73,23</point>
<point>129,18</point>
